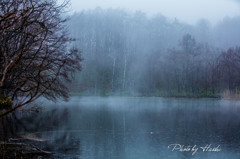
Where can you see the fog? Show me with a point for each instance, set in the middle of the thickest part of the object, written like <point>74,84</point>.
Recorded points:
<point>187,48</point>
<point>189,11</point>
<point>129,53</point>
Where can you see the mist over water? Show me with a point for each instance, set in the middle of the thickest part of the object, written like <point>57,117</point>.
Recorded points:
<point>131,128</point>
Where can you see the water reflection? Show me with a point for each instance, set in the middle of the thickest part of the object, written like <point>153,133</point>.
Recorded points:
<point>136,128</point>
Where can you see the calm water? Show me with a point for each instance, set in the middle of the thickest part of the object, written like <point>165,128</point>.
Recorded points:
<point>137,128</point>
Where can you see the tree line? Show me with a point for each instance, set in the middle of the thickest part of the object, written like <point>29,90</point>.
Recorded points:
<point>133,54</point>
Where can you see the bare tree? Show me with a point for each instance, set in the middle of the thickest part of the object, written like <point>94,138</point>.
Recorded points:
<point>229,66</point>
<point>35,54</point>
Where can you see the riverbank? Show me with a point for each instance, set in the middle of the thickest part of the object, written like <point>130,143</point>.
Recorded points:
<point>226,94</point>
<point>153,94</point>
<point>23,150</point>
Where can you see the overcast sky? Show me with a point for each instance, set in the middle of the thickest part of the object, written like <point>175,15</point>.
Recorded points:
<point>189,11</point>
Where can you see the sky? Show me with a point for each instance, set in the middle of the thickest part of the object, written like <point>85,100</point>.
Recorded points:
<point>189,11</point>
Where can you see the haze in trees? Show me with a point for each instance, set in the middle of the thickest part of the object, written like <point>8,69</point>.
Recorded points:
<point>133,54</point>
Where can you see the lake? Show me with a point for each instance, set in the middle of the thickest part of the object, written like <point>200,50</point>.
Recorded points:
<point>137,128</point>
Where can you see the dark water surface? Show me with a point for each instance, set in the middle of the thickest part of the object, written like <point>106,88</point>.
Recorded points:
<point>137,128</point>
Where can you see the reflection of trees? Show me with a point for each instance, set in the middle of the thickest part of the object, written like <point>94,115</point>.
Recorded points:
<point>140,128</point>
<point>191,122</point>
<point>45,121</point>
<point>52,127</point>
<point>10,125</point>
<point>6,129</point>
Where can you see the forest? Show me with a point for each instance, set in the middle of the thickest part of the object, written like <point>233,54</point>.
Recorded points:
<point>127,53</point>
<point>66,79</point>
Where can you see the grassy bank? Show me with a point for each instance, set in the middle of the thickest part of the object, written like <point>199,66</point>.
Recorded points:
<point>156,93</point>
